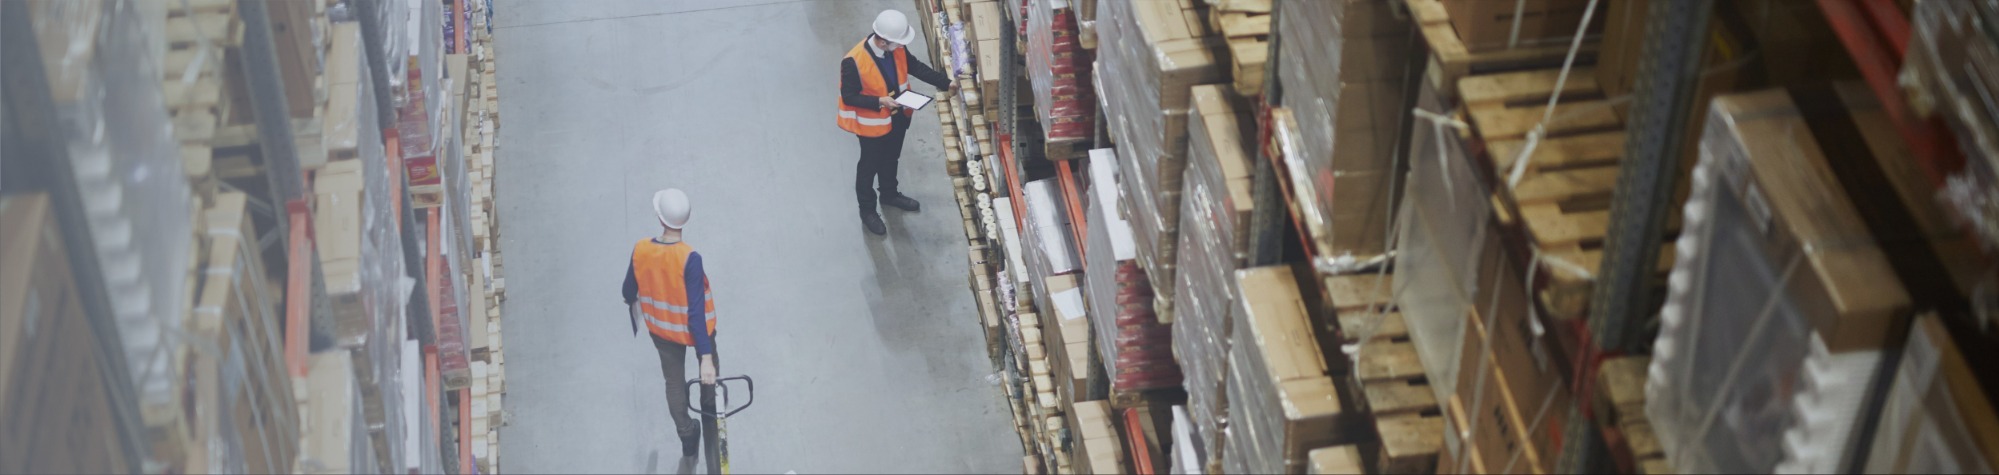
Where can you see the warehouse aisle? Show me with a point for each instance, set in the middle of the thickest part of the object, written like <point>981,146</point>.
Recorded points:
<point>865,351</point>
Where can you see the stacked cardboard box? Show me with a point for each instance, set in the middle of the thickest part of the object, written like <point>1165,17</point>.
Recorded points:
<point>1058,69</point>
<point>1149,56</point>
<point>1281,402</point>
<point>1770,235</point>
<point>335,437</point>
<point>1134,355</point>
<point>1488,25</point>
<point>52,390</point>
<point>1212,241</point>
<point>1097,438</point>
<point>1346,117</point>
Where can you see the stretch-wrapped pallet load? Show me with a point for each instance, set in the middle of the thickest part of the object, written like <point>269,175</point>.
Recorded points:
<point>104,71</point>
<point>1058,68</point>
<point>1936,418</point>
<point>377,362</point>
<point>1489,25</point>
<point>1149,56</point>
<point>1281,402</point>
<point>1120,297</point>
<point>236,311</point>
<point>1777,308</point>
<point>1955,61</point>
<point>1214,218</point>
<point>53,389</point>
<point>335,438</point>
<point>1347,112</point>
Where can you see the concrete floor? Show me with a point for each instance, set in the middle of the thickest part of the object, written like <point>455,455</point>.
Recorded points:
<point>867,352</point>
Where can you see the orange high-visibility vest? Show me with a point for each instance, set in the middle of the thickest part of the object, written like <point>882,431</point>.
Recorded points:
<point>661,270</point>
<point>872,121</point>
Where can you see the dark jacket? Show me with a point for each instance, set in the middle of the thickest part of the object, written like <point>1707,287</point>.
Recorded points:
<point>850,81</point>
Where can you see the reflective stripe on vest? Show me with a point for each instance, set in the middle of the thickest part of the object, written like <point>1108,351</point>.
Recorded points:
<point>872,121</point>
<point>661,270</point>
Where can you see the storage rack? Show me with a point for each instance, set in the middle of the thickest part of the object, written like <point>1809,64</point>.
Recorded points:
<point>247,93</point>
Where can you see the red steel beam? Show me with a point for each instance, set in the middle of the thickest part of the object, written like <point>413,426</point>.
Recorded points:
<point>1067,178</point>
<point>1877,37</point>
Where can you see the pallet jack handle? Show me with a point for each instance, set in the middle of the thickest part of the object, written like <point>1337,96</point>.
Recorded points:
<point>722,384</point>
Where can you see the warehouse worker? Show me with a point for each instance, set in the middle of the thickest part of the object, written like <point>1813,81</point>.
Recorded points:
<point>870,76</point>
<point>666,288</point>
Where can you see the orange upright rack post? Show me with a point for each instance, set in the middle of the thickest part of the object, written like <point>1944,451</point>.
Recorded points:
<point>1067,178</point>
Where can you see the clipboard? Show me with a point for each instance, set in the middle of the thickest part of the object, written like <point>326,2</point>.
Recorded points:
<point>912,100</point>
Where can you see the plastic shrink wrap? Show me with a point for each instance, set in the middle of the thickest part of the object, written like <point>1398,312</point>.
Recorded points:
<point>1213,235</point>
<point>1147,62</point>
<point>1349,107</point>
<point>1777,306</point>
<point>1953,71</point>
<point>1058,68</point>
<point>1936,418</point>
<point>1281,403</point>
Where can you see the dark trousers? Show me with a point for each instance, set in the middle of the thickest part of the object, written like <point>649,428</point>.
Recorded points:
<point>673,365</point>
<point>879,156</point>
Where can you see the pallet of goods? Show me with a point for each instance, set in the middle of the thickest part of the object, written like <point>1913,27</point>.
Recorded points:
<point>1950,59</point>
<point>1150,54</point>
<point>1469,37</point>
<point>1342,194</point>
<point>1133,346</point>
<point>52,387</point>
<point>1620,405</point>
<point>1212,245</point>
<point>1058,69</point>
<point>1282,401</point>
<point>1769,214</point>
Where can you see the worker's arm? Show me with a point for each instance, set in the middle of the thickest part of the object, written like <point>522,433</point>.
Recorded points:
<point>632,294</point>
<point>932,76</point>
<point>697,306</point>
<point>850,87</point>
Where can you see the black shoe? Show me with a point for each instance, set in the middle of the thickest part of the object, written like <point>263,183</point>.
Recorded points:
<point>903,202</point>
<point>873,221</point>
<point>689,446</point>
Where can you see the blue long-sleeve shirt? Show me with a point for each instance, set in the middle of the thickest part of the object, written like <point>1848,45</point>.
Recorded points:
<point>697,295</point>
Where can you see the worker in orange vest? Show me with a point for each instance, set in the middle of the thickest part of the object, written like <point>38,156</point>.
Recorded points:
<point>666,288</point>
<point>871,75</point>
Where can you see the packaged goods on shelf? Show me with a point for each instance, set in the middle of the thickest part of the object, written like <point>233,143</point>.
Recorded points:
<point>1447,237</point>
<point>339,128</point>
<point>1488,25</point>
<point>1187,455</point>
<point>1954,61</point>
<point>1128,340</point>
<point>1771,239</point>
<point>1213,237</point>
<point>235,312</point>
<point>335,438</point>
<point>105,73</point>
<point>1148,59</point>
<point>1058,70</point>
<point>1347,117</point>
<point>1048,229</point>
<point>1096,437</point>
<point>1936,418</point>
<point>53,390</point>
<point>1281,403</point>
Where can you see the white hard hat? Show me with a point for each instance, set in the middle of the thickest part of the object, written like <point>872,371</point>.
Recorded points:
<point>670,205</point>
<point>893,26</point>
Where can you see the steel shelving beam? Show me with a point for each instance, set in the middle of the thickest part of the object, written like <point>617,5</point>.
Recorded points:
<point>36,156</point>
<point>1668,71</point>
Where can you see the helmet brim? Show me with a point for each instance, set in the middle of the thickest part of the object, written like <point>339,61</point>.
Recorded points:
<point>907,36</point>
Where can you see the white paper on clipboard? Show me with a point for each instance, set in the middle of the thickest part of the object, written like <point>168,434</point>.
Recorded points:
<point>912,100</point>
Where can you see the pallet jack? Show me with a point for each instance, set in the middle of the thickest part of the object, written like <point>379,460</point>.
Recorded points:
<point>714,432</point>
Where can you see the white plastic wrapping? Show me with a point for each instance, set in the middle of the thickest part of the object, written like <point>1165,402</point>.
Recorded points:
<point>104,68</point>
<point>1953,62</point>
<point>1778,295</point>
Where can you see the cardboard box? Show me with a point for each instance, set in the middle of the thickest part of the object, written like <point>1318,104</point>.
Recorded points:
<point>1487,25</point>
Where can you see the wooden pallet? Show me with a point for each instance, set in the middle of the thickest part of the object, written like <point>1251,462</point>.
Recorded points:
<point>1387,375</point>
<point>1245,26</point>
<point>1450,60</point>
<point>1561,203</point>
<point>1620,413</point>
